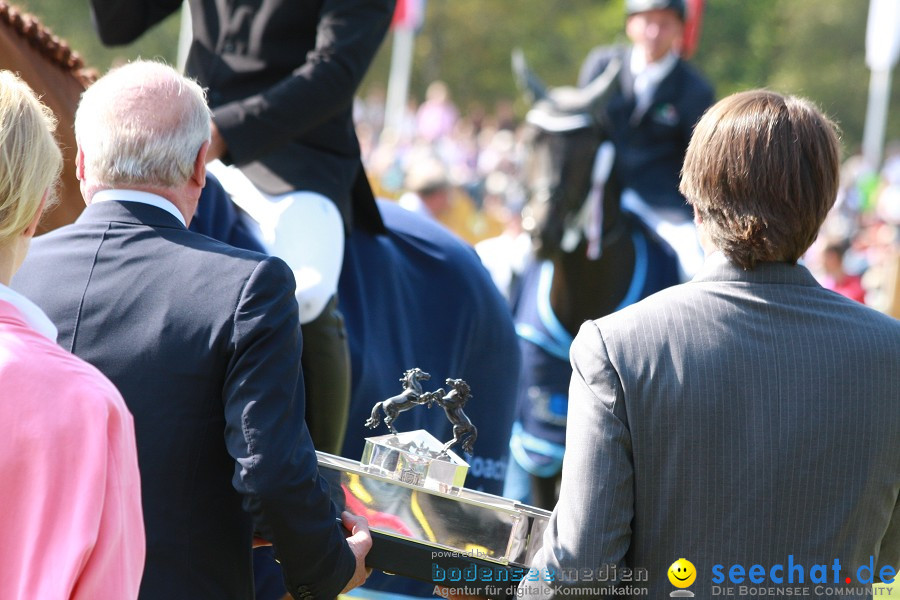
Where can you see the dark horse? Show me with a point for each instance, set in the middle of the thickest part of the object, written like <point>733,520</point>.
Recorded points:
<point>591,258</point>
<point>412,395</point>
<point>452,403</point>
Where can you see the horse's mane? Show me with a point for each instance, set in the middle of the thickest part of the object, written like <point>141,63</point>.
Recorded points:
<point>48,45</point>
<point>461,387</point>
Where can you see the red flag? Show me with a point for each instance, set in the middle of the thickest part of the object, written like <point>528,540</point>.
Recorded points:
<point>692,23</point>
<point>408,14</point>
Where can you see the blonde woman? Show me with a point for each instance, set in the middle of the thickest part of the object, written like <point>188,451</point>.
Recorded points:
<point>71,523</point>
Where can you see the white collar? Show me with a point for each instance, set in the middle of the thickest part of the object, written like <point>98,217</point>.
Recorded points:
<point>34,316</point>
<point>137,196</point>
<point>655,71</point>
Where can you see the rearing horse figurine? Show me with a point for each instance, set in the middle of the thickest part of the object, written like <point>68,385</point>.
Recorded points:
<point>412,395</point>
<point>591,258</point>
<point>452,403</point>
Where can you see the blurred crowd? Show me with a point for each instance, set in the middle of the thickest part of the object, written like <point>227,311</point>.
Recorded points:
<point>857,252</point>
<point>460,167</point>
<point>463,168</point>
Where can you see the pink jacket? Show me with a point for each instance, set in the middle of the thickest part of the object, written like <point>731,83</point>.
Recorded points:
<point>70,499</point>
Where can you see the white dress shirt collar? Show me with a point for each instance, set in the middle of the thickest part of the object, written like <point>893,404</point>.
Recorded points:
<point>142,197</point>
<point>648,76</point>
<point>34,316</point>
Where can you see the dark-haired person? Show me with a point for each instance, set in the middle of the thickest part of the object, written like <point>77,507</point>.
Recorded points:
<point>749,415</point>
<point>659,99</point>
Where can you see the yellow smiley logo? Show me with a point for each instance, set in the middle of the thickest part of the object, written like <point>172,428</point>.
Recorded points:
<point>682,573</point>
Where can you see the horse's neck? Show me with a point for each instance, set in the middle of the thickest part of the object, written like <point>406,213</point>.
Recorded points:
<point>55,73</point>
<point>583,289</point>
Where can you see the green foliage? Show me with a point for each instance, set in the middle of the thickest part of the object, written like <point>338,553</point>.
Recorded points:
<point>468,44</point>
<point>71,20</point>
<point>815,48</point>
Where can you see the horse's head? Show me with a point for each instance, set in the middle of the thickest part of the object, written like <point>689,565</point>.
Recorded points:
<point>461,387</point>
<point>415,374</point>
<point>564,130</point>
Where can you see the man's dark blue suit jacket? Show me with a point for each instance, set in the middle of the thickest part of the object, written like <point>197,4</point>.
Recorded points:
<point>414,296</point>
<point>203,341</point>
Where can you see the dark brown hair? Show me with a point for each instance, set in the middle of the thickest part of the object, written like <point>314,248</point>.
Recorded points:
<point>761,172</point>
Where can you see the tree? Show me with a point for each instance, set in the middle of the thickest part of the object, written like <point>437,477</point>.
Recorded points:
<point>814,48</point>
<point>71,20</point>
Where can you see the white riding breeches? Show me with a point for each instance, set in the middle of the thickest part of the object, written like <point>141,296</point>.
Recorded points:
<point>681,235</point>
<point>303,228</point>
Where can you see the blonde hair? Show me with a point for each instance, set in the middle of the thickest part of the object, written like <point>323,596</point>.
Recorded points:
<point>142,123</point>
<point>30,160</point>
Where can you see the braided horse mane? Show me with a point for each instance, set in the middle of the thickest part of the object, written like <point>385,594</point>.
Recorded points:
<point>54,49</point>
<point>58,75</point>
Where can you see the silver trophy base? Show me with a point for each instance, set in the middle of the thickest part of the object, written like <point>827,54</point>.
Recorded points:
<point>462,525</point>
<point>416,458</point>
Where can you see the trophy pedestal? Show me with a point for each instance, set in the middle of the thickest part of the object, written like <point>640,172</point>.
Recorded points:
<point>425,524</point>
<point>434,530</point>
<point>416,458</point>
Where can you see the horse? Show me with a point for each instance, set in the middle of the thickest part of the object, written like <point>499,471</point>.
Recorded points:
<point>452,403</point>
<point>590,258</point>
<point>59,75</point>
<point>466,329</point>
<point>412,395</point>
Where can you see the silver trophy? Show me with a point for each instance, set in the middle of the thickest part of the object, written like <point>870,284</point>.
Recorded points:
<point>411,487</point>
<point>417,457</point>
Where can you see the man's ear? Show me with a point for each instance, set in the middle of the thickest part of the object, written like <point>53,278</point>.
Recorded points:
<point>199,174</point>
<point>79,164</point>
<point>32,227</point>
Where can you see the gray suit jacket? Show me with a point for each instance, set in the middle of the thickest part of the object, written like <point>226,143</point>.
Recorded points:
<point>742,418</point>
<point>203,341</point>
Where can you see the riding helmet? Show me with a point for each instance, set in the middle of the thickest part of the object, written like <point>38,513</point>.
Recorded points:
<point>639,6</point>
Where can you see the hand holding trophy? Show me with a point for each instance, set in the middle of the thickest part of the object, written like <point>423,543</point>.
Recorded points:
<point>425,523</point>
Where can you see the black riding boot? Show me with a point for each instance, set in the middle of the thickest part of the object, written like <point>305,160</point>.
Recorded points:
<point>326,371</point>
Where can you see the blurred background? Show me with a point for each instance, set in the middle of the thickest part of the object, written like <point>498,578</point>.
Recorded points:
<point>453,58</point>
<point>815,48</point>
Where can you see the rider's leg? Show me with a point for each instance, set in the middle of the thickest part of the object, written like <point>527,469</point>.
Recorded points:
<point>309,236</point>
<point>306,231</point>
<point>674,227</point>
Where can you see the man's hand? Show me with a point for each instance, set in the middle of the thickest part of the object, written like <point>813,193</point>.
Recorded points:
<point>360,543</point>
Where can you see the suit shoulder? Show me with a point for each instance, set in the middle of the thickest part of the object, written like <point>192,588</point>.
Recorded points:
<point>221,256</point>
<point>877,321</point>
<point>668,299</point>
<point>52,237</point>
<point>697,85</point>
<point>257,271</point>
